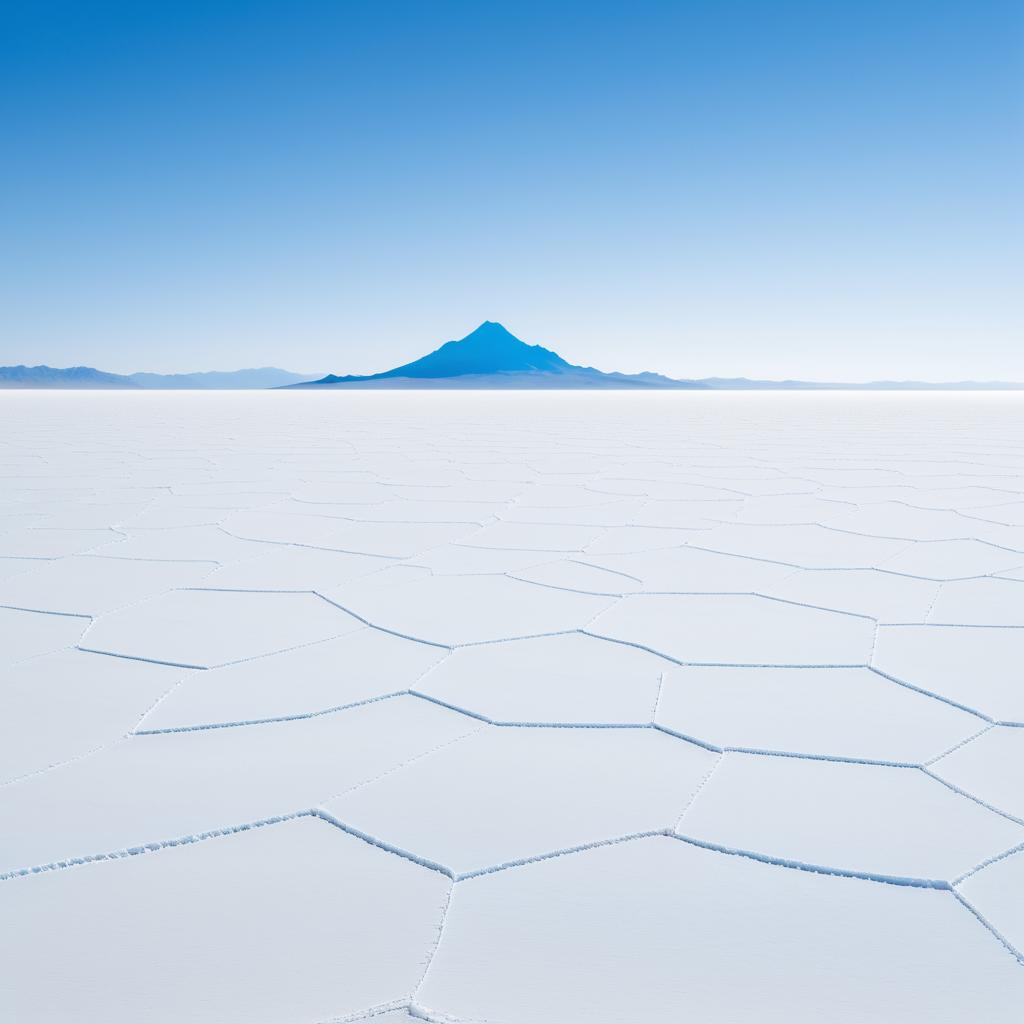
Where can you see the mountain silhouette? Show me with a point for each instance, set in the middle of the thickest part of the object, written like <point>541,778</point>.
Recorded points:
<point>69,378</point>
<point>86,377</point>
<point>224,380</point>
<point>491,356</point>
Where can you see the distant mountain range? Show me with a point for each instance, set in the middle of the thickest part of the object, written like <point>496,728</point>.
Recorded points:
<point>488,358</point>
<point>261,377</point>
<point>85,377</point>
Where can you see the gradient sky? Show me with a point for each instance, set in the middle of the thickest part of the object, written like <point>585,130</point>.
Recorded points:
<point>770,189</point>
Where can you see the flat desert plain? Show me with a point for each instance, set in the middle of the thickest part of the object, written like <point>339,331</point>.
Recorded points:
<point>511,708</point>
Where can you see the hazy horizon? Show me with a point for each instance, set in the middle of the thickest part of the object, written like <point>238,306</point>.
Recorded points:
<point>317,373</point>
<point>797,190</point>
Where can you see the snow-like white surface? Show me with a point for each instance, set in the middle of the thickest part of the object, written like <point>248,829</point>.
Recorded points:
<point>510,794</point>
<point>693,570</point>
<point>360,665</point>
<point>25,634</point>
<point>586,577</point>
<point>511,708</point>
<point>158,788</point>
<point>52,542</point>
<point>808,546</point>
<point>181,544</point>
<point>568,679</point>
<point>997,891</point>
<point>457,610</point>
<point>67,704</point>
<point>737,629</point>
<point>656,930</point>
<point>977,667</point>
<point>291,922</point>
<point>861,818</point>
<point>979,602</point>
<point>206,628</point>
<point>850,713</point>
<point>884,596</point>
<point>952,559</point>
<point>990,767</point>
<point>91,585</point>
<point>288,567</point>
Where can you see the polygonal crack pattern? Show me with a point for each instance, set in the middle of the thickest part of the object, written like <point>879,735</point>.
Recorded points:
<point>493,707</point>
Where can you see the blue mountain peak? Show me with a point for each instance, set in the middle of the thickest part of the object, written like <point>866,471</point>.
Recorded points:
<point>492,356</point>
<point>489,349</point>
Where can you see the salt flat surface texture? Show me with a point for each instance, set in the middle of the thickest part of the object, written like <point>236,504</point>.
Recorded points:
<point>511,708</point>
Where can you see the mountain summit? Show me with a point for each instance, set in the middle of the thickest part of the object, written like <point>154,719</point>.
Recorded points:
<point>488,349</point>
<point>493,357</point>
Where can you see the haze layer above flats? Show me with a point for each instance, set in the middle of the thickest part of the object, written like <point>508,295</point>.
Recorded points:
<point>488,358</point>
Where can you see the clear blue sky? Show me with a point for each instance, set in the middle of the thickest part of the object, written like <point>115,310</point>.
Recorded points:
<point>826,189</point>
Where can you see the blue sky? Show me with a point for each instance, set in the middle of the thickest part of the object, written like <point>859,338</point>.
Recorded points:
<point>816,189</point>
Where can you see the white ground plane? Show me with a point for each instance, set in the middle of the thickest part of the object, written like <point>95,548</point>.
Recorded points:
<point>511,708</point>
